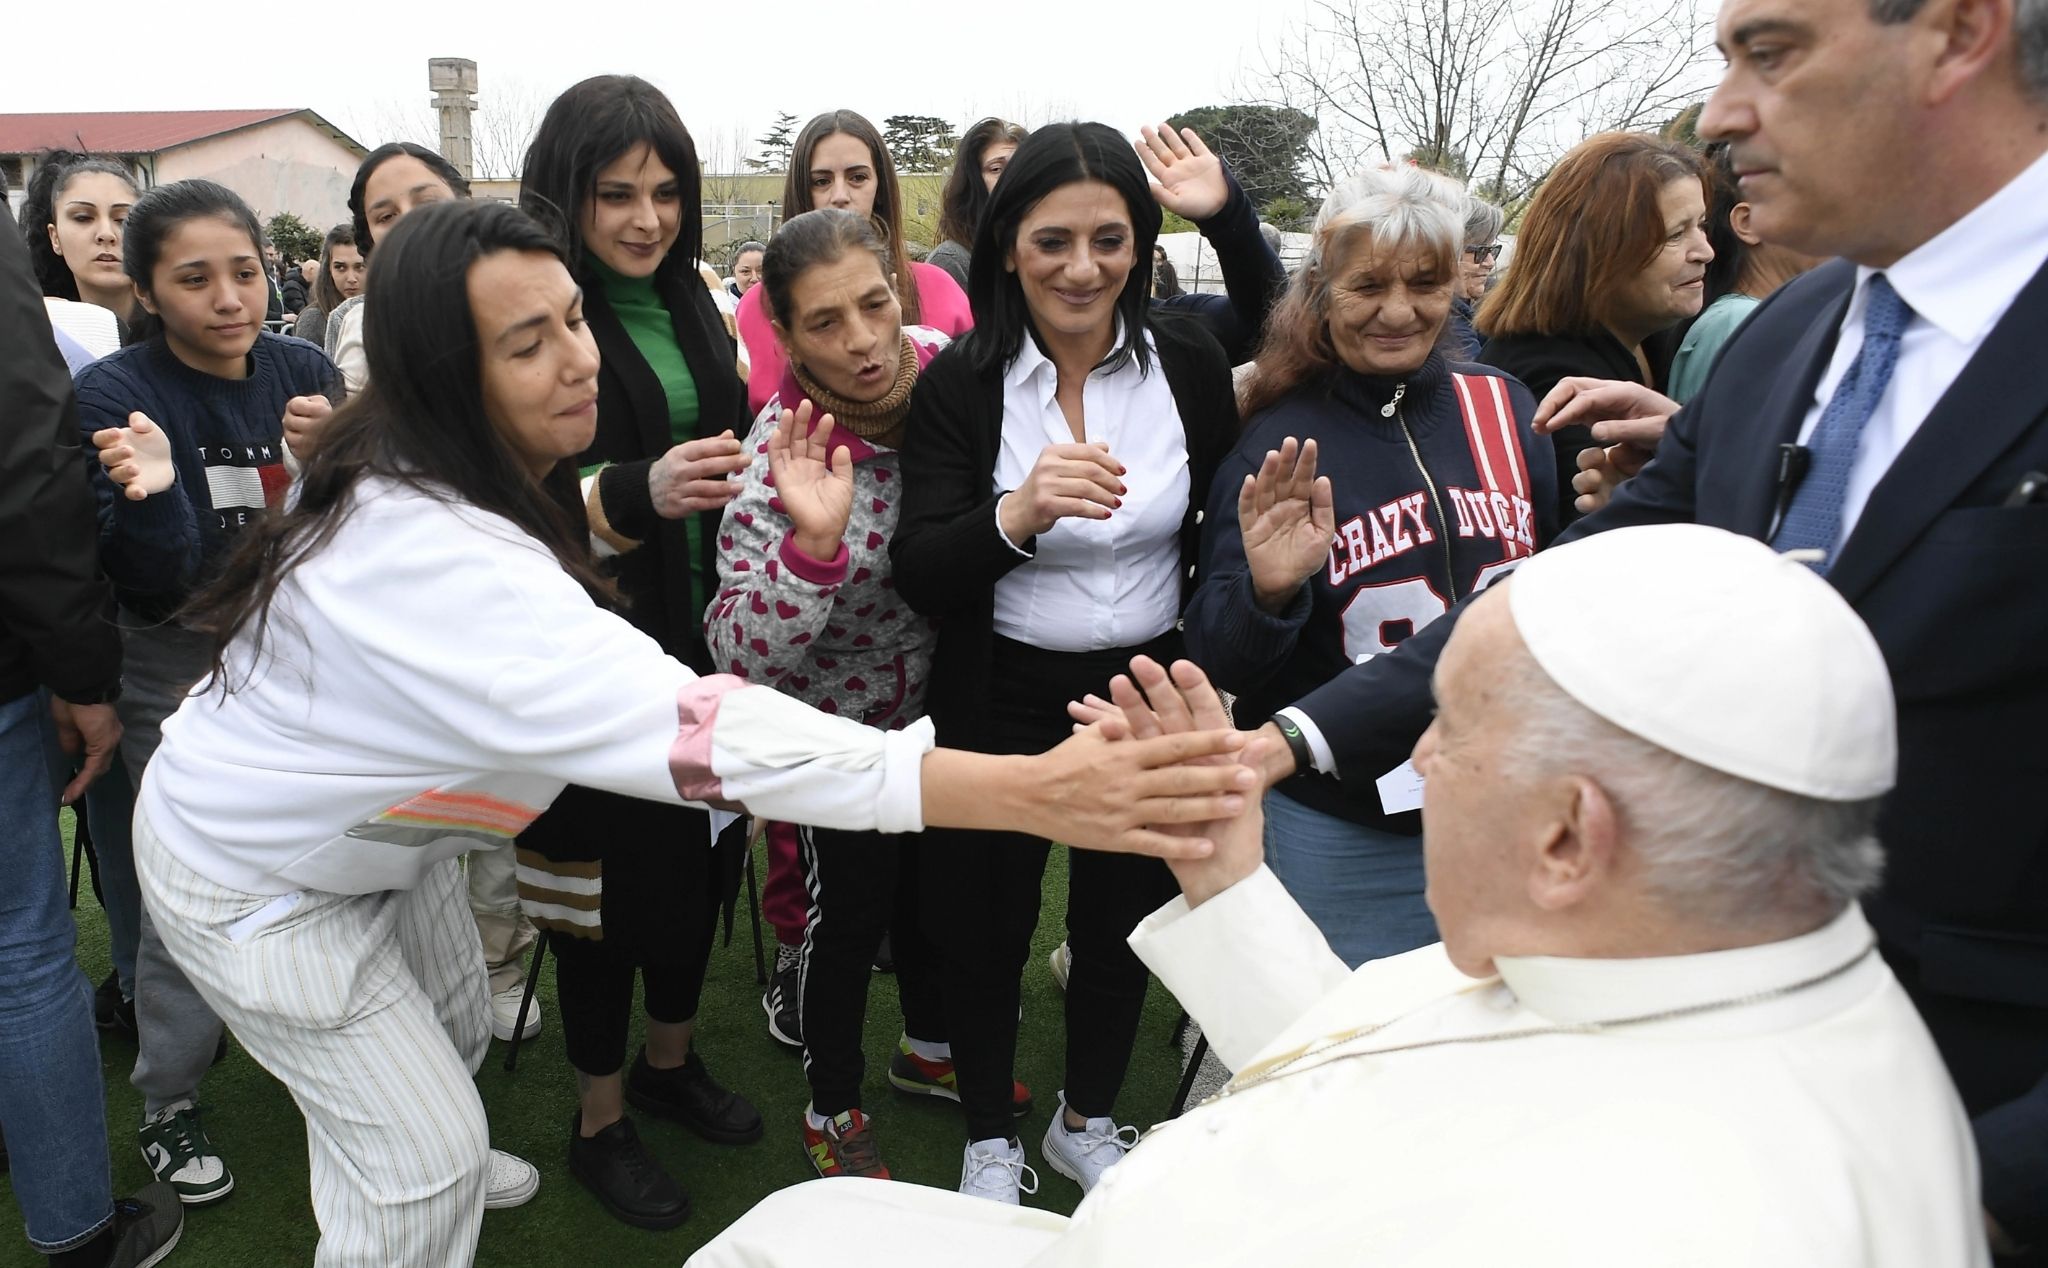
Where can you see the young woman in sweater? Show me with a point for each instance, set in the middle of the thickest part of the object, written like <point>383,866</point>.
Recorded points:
<point>214,385</point>
<point>339,279</point>
<point>614,163</point>
<point>806,603</point>
<point>309,808</point>
<point>838,160</point>
<point>984,152</point>
<point>1432,486</point>
<point>1053,464</point>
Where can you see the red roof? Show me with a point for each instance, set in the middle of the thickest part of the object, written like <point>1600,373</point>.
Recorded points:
<point>126,132</point>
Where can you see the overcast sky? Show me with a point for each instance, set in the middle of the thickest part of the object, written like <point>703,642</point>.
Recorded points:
<point>728,67</point>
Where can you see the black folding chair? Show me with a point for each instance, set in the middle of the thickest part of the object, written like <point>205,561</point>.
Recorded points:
<point>540,954</point>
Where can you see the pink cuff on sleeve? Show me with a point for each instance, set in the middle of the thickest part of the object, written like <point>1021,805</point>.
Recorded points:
<point>819,572</point>
<point>689,758</point>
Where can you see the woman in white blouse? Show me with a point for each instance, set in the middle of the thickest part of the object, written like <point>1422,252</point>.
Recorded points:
<point>1053,463</point>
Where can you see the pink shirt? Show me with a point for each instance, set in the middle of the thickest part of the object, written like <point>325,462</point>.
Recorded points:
<point>942,303</point>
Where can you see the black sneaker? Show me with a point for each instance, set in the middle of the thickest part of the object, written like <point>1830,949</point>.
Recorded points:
<point>885,956</point>
<point>146,1226</point>
<point>624,1177</point>
<point>784,999</point>
<point>110,1012</point>
<point>689,1095</point>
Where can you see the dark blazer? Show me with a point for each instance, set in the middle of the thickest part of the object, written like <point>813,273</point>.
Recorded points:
<point>947,553</point>
<point>1951,582</point>
<point>633,431</point>
<point>1541,362</point>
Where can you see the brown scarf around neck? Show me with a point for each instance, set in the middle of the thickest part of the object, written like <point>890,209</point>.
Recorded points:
<point>877,422</point>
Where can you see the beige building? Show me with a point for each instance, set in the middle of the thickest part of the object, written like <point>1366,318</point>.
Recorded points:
<point>277,160</point>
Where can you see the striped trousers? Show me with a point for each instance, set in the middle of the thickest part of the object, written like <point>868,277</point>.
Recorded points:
<point>371,1010</point>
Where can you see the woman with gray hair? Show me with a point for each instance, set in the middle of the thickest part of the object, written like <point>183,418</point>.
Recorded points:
<point>1431,485</point>
<point>1475,265</point>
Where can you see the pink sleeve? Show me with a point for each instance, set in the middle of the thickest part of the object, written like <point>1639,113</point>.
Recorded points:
<point>941,303</point>
<point>765,363</point>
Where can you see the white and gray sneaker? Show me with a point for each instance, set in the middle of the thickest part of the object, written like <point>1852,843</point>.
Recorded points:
<point>996,1170</point>
<point>505,1013</point>
<point>1082,1156</point>
<point>512,1181</point>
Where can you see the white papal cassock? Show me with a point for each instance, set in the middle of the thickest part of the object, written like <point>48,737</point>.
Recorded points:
<point>1809,1127</point>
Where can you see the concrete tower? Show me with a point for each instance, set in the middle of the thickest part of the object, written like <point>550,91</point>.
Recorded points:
<point>453,80</point>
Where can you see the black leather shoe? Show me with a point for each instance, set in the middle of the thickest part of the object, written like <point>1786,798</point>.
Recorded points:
<point>624,1177</point>
<point>689,1095</point>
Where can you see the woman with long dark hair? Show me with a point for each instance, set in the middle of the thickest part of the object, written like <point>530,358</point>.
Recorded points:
<point>309,806</point>
<point>71,214</point>
<point>339,279</point>
<point>978,162</point>
<point>391,181</point>
<point>1053,464</point>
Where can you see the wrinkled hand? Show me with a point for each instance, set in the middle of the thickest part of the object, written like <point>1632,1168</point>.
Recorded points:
<point>1067,480</point>
<point>1176,705</point>
<point>692,476</point>
<point>304,418</point>
<point>90,729</point>
<point>1616,411</point>
<point>814,481</point>
<point>1288,517</point>
<point>137,457</point>
<point>1187,179</point>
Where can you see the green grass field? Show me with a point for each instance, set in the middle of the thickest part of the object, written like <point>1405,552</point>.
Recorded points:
<point>268,1220</point>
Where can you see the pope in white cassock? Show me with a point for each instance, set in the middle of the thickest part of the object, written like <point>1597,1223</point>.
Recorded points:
<point>1656,1031</point>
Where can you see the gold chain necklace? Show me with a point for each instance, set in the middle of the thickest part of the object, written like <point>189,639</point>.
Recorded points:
<point>1282,1067</point>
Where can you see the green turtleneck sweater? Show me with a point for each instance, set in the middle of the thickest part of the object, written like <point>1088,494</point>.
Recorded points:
<point>653,332</point>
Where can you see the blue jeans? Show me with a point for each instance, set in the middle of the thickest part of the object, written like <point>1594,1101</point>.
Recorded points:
<point>1362,887</point>
<point>52,1104</point>
<point>110,810</point>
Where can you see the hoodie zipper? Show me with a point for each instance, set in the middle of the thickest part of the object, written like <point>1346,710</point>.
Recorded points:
<point>1443,529</point>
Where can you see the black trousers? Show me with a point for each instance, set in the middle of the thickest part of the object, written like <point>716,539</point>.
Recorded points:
<point>981,900</point>
<point>661,898</point>
<point>861,885</point>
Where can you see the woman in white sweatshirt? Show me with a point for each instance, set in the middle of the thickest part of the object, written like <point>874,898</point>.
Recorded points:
<point>412,661</point>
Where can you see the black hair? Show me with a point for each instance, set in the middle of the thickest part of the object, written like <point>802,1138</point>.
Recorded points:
<point>166,207</point>
<point>1057,155</point>
<point>592,124</point>
<point>420,422</point>
<point>325,293</point>
<point>1731,253</point>
<point>744,247</point>
<point>359,215</point>
<point>53,174</point>
<point>1166,285</point>
<point>966,193</point>
<point>806,241</point>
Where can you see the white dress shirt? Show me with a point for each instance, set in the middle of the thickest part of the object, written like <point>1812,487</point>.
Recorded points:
<point>1958,284</point>
<point>1091,585</point>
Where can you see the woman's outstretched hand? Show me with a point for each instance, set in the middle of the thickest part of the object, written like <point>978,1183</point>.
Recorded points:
<point>137,457</point>
<point>814,481</point>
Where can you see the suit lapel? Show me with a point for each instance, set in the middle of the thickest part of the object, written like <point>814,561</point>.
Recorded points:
<point>1783,408</point>
<point>2000,393</point>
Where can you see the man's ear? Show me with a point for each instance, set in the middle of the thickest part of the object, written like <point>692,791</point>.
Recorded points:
<point>1739,220</point>
<point>1974,35</point>
<point>1578,853</point>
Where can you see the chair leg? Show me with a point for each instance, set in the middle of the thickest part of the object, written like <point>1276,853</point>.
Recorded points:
<point>540,954</point>
<point>1187,1078</point>
<point>754,911</point>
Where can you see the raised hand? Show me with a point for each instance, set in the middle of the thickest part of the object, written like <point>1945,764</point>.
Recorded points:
<point>304,419</point>
<point>1187,179</point>
<point>1067,480</point>
<point>814,481</point>
<point>692,476</point>
<point>137,457</point>
<point>1287,514</point>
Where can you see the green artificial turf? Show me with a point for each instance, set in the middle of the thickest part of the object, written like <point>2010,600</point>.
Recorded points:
<point>268,1220</point>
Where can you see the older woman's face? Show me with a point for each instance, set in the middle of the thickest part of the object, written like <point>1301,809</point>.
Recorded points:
<point>1386,309</point>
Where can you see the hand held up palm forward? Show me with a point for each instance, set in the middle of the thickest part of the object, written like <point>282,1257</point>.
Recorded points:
<point>814,479</point>
<point>1287,516</point>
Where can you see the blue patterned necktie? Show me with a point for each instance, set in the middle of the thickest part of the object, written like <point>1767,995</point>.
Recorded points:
<point>1813,520</point>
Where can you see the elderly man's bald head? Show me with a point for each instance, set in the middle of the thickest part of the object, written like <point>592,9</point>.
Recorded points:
<point>1550,829</point>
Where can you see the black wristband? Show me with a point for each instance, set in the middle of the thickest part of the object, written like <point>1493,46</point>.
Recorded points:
<point>1297,744</point>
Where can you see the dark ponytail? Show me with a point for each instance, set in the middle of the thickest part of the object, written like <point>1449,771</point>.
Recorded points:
<point>53,175</point>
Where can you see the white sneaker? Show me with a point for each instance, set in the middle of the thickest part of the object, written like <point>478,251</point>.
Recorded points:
<point>1061,962</point>
<point>1082,1156</point>
<point>996,1170</point>
<point>513,1181</point>
<point>505,1013</point>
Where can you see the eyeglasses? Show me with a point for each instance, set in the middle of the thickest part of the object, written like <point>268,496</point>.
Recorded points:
<point>1482,254</point>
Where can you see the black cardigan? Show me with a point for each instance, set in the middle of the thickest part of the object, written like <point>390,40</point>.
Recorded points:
<point>633,431</point>
<point>1540,362</point>
<point>947,554</point>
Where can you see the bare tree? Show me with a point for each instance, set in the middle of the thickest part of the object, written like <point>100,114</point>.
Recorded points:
<point>508,113</point>
<point>1494,91</point>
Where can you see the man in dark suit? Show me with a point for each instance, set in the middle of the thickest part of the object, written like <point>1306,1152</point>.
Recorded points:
<point>1888,414</point>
